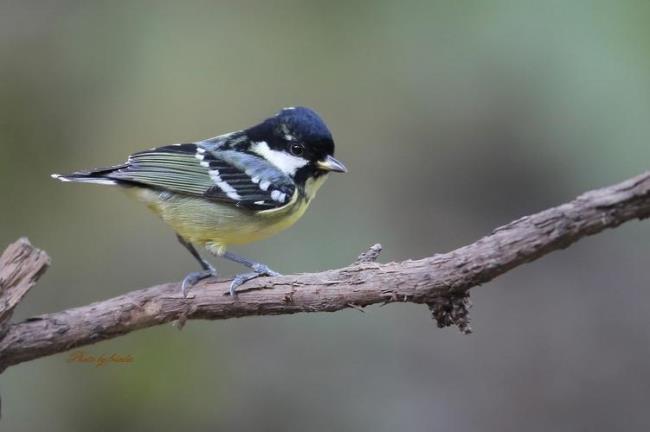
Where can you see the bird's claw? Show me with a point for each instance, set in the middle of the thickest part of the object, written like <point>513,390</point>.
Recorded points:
<point>193,278</point>
<point>264,270</point>
<point>242,278</point>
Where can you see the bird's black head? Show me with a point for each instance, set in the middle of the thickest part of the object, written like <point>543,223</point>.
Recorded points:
<point>298,142</point>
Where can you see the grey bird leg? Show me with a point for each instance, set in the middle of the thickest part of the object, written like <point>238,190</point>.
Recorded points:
<point>193,278</point>
<point>259,269</point>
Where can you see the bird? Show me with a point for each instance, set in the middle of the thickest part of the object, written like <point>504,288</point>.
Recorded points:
<point>233,189</point>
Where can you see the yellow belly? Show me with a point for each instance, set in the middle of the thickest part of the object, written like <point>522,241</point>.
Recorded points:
<point>215,225</point>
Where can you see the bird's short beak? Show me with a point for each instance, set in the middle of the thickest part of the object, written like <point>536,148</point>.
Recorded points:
<point>331,164</point>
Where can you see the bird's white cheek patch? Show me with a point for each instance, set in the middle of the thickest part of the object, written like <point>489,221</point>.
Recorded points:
<point>287,163</point>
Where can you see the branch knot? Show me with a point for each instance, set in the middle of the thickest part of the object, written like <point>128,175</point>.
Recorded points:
<point>452,309</point>
<point>370,255</point>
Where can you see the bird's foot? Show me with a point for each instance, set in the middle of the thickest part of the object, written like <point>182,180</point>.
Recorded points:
<point>193,278</point>
<point>242,278</point>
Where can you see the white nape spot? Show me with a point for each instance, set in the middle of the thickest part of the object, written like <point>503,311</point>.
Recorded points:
<point>176,145</point>
<point>276,195</point>
<point>290,108</point>
<point>225,187</point>
<point>287,163</point>
<point>255,179</point>
<point>265,185</point>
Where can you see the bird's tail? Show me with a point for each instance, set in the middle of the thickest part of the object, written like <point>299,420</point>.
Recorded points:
<point>100,176</point>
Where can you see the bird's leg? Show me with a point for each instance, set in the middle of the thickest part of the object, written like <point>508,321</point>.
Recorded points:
<point>259,269</point>
<point>194,277</point>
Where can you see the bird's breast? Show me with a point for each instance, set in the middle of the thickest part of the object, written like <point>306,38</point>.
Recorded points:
<point>216,225</point>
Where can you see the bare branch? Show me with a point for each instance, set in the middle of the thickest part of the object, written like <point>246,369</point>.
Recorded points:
<point>370,255</point>
<point>440,281</point>
<point>21,265</point>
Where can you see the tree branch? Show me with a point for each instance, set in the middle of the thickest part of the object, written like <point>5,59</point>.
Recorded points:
<point>20,267</point>
<point>441,281</point>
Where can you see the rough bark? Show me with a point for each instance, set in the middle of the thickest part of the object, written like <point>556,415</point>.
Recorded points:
<point>20,267</point>
<point>441,281</point>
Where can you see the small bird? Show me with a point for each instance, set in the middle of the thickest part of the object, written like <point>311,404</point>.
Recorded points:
<point>233,189</point>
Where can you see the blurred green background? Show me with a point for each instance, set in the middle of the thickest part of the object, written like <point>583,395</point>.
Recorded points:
<point>453,118</point>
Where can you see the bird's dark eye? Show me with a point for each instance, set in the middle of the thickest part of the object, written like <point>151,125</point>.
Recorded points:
<point>296,149</point>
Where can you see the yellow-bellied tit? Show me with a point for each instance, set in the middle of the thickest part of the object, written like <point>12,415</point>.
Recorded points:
<point>233,189</point>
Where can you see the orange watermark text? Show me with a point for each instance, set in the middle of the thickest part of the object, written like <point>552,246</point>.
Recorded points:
<point>82,357</point>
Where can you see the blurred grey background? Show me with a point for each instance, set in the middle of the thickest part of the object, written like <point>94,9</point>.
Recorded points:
<point>453,118</point>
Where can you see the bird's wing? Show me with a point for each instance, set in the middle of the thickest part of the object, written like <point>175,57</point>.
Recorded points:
<point>228,176</point>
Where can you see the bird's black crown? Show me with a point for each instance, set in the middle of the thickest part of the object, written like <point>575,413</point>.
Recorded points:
<point>295,125</point>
